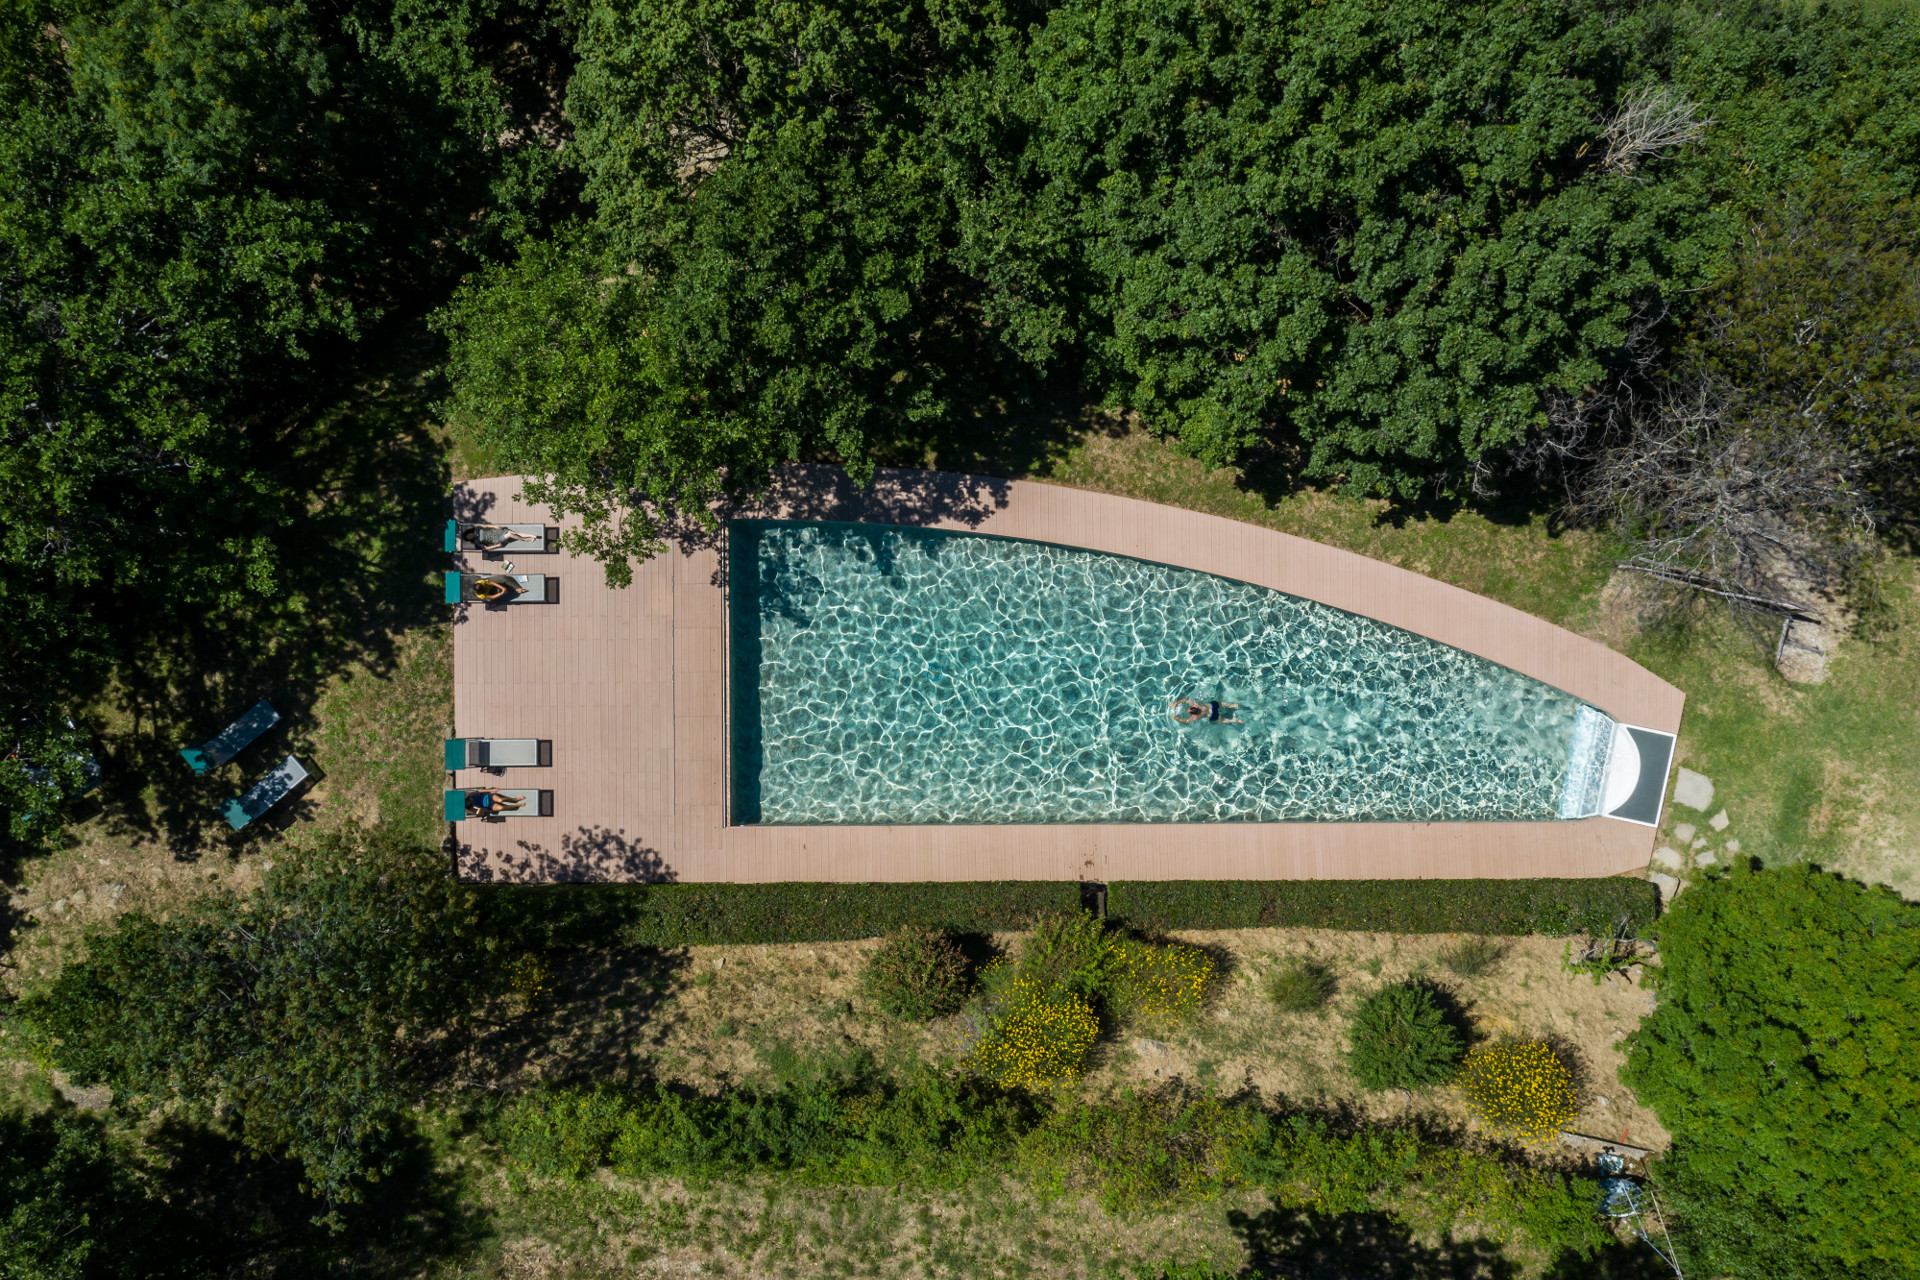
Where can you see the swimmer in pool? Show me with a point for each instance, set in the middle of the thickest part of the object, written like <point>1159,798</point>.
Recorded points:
<point>1194,711</point>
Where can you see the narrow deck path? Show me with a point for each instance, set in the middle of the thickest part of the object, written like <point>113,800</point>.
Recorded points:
<point>631,686</point>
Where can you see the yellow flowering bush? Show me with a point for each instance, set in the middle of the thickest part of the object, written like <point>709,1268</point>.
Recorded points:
<point>1038,1035</point>
<point>1520,1089</point>
<point>1169,980</point>
<point>530,979</point>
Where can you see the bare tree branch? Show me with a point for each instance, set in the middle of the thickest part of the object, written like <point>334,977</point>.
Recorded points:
<point>1649,122</point>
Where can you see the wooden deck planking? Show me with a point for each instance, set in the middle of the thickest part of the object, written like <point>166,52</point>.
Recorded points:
<point>633,686</point>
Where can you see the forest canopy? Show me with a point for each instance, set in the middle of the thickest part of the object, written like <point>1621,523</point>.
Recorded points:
<point>1379,240</point>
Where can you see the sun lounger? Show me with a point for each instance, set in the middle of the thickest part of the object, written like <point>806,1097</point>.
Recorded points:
<point>546,539</point>
<point>264,794</point>
<point>539,804</point>
<point>499,753</point>
<point>232,740</point>
<point>539,588</point>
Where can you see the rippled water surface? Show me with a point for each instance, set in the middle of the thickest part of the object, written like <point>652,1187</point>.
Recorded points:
<point>893,675</point>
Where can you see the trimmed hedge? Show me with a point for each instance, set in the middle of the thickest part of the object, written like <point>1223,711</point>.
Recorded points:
<point>677,915</point>
<point>1552,907</point>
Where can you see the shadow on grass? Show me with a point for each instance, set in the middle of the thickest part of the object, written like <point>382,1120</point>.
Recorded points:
<point>1301,1245</point>
<point>355,571</point>
<point>603,1002</point>
<point>231,1213</point>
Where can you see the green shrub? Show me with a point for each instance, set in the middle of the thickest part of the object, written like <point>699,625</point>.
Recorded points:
<point>1401,1040</point>
<point>1300,986</point>
<point>838,1124</point>
<point>1471,957</point>
<point>1134,1150</point>
<point>679,915</point>
<point>1785,1059</point>
<point>916,973</point>
<point>312,1014</point>
<point>1070,949</point>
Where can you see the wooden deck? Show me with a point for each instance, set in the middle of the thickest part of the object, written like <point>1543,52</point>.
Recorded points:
<point>631,687</point>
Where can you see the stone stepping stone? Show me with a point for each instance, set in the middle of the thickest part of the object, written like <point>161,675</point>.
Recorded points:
<point>1683,834</point>
<point>1669,887</point>
<point>1667,858</point>
<point>1705,860</point>
<point>1719,821</point>
<point>1694,790</point>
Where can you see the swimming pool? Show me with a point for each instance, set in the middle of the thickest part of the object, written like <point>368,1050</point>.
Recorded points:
<point>891,675</point>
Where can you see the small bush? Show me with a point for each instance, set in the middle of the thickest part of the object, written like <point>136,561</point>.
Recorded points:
<point>1402,1041</point>
<point>1300,986</point>
<point>916,973</point>
<point>1519,1090</point>
<point>529,981</point>
<point>1037,1035</point>
<point>1070,949</point>
<point>1471,957</point>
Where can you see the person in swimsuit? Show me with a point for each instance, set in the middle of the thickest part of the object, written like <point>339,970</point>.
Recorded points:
<point>492,800</point>
<point>497,589</point>
<point>494,536</point>
<point>1194,711</point>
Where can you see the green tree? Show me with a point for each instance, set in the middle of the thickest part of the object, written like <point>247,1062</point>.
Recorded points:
<point>315,1012</point>
<point>1783,1058</point>
<point>767,274</point>
<point>204,209</point>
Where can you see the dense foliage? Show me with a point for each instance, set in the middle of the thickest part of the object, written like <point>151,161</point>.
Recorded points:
<point>66,1198</point>
<point>206,211</point>
<point>1380,238</point>
<point>1131,1150</point>
<point>679,915</point>
<point>313,1013</point>
<point>1401,1039</point>
<point>1783,1058</point>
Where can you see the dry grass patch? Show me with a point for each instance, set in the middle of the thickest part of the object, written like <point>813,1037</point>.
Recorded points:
<point>1244,1040</point>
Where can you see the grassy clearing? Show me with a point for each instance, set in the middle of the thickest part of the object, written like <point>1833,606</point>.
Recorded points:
<point>1828,772</point>
<point>707,1017</point>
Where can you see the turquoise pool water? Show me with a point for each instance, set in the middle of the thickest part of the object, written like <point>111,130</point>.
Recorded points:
<point>884,674</point>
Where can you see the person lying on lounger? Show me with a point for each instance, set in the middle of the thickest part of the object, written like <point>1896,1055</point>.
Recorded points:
<point>492,800</point>
<point>1194,711</point>
<point>497,589</point>
<point>495,535</point>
